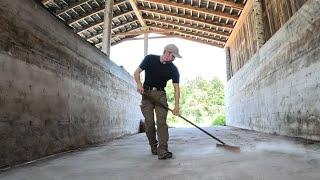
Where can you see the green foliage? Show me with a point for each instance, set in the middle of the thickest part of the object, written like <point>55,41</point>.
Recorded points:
<point>220,120</point>
<point>200,101</point>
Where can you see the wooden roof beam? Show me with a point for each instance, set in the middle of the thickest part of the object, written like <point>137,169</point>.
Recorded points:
<point>185,26</point>
<point>142,32</point>
<point>79,3</point>
<point>99,23</point>
<point>45,2</point>
<point>118,37</point>
<point>134,6</point>
<point>184,35</point>
<point>186,18</point>
<point>114,28</point>
<point>71,6</point>
<point>204,37</point>
<point>193,8</point>
<point>228,3</point>
<point>96,11</point>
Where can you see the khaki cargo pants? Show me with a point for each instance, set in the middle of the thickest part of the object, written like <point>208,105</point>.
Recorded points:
<point>147,108</point>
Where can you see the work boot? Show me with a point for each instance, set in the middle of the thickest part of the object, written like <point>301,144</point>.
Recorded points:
<point>166,155</point>
<point>154,148</point>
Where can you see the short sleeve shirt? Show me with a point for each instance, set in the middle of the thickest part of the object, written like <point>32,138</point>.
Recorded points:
<point>156,73</point>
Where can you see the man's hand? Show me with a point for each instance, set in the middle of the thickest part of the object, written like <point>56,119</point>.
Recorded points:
<point>175,110</point>
<point>140,89</point>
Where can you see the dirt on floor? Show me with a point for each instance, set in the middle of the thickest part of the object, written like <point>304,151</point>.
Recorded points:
<point>195,156</point>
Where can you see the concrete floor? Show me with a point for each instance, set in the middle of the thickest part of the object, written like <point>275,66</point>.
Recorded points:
<point>263,156</point>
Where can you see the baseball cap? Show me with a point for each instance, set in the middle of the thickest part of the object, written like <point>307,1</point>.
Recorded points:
<point>173,49</point>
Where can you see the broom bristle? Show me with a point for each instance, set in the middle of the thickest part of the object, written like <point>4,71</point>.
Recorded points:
<point>235,149</point>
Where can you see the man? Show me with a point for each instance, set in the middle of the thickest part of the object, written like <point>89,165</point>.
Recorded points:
<point>158,70</point>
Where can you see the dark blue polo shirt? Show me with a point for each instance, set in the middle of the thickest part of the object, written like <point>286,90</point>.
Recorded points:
<point>156,73</point>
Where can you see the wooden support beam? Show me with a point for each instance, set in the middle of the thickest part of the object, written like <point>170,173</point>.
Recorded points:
<point>187,34</point>
<point>228,61</point>
<point>132,30</point>
<point>133,4</point>
<point>258,22</point>
<point>228,3</point>
<point>71,6</point>
<point>196,39</point>
<point>188,18</point>
<point>143,32</point>
<point>146,43</point>
<point>114,28</point>
<point>99,23</point>
<point>193,8</point>
<point>192,28</point>
<point>154,37</point>
<point>45,2</point>
<point>96,11</point>
<point>106,37</point>
<point>242,18</point>
<point>78,3</point>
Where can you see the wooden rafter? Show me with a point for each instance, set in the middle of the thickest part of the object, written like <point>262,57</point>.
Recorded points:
<point>189,36</point>
<point>45,1</point>
<point>96,11</point>
<point>187,18</point>
<point>78,3</point>
<point>228,3</point>
<point>193,8</point>
<point>200,21</point>
<point>114,28</point>
<point>142,32</point>
<point>191,28</point>
<point>71,6</point>
<point>133,4</point>
<point>99,23</point>
<point>114,37</point>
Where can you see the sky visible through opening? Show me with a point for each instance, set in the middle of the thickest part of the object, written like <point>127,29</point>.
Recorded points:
<point>197,59</point>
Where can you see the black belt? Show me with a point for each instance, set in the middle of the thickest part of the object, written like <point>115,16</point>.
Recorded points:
<point>150,88</point>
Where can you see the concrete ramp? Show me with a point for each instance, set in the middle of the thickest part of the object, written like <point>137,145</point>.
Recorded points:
<point>263,156</point>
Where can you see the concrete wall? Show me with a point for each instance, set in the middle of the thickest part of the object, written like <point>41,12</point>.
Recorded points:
<point>278,90</point>
<point>57,92</point>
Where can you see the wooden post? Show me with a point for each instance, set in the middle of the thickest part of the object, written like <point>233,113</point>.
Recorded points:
<point>106,38</point>
<point>228,61</point>
<point>146,44</point>
<point>258,21</point>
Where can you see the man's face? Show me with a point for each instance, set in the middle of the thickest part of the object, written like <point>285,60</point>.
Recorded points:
<point>168,57</point>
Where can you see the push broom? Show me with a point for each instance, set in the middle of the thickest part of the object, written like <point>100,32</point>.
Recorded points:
<point>222,145</point>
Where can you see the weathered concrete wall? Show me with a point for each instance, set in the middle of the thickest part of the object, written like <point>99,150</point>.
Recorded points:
<point>57,92</point>
<point>278,90</point>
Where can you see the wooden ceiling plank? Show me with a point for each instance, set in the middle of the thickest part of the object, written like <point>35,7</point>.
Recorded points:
<point>96,11</point>
<point>208,23</point>
<point>191,28</point>
<point>188,36</point>
<point>229,3</point>
<point>114,28</point>
<point>192,8</point>
<point>134,6</point>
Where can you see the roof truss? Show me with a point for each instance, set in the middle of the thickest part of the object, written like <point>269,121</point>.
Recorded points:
<point>205,21</point>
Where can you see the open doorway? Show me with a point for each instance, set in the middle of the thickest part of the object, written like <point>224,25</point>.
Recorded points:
<point>202,77</point>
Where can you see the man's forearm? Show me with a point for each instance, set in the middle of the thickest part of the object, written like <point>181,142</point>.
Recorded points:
<point>176,95</point>
<point>137,78</point>
<point>177,98</point>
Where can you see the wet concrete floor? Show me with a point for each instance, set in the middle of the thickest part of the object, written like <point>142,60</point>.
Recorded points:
<point>263,156</point>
